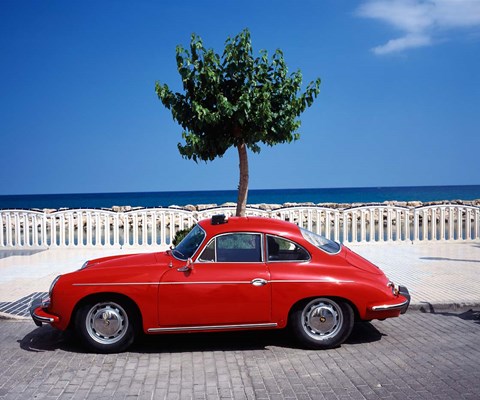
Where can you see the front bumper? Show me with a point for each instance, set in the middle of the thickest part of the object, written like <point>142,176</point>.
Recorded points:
<point>39,314</point>
<point>405,293</point>
<point>401,305</point>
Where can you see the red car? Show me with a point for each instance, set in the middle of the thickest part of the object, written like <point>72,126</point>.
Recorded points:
<point>227,274</point>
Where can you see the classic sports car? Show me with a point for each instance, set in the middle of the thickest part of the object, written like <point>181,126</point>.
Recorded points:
<point>226,274</point>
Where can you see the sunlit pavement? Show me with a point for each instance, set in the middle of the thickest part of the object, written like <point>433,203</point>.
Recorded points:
<point>438,275</point>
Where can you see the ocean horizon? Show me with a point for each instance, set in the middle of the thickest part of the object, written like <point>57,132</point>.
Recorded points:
<point>255,196</point>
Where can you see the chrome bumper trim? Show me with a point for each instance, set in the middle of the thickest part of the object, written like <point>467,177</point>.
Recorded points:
<point>386,307</point>
<point>38,318</point>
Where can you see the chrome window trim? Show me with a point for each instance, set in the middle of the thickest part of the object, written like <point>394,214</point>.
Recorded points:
<point>262,251</point>
<point>340,245</point>
<point>198,248</point>
<point>208,244</point>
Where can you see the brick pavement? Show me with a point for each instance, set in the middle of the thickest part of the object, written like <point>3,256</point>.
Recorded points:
<point>416,356</point>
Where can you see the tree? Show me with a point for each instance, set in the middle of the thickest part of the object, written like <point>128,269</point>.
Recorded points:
<point>235,100</point>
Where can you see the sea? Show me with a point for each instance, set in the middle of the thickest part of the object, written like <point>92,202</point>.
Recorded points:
<point>255,196</point>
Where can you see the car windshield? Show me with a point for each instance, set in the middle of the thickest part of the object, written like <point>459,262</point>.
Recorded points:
<point>189,245</point>
<point>321,242</point>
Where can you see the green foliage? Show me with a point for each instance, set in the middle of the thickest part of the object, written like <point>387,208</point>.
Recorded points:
<point>181,234</point>
<point>235,99</point>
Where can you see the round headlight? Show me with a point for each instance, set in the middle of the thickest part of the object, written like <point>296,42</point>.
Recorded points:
<point>53,285</point>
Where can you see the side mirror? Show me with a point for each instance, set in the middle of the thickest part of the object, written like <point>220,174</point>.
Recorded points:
<point>187,267</point>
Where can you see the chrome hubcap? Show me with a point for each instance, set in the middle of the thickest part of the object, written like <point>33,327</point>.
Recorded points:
<point>322,319</point>
<point>107,323</point>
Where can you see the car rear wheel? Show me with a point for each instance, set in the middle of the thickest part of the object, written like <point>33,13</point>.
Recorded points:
<point>322,323</point>
<point>106,326</point>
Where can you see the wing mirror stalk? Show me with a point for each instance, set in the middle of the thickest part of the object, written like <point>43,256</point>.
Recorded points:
<point>187,267</point>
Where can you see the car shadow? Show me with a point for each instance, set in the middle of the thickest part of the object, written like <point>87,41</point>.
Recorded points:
<point>468,315</point>
<point>217,341</point>
<point>49,339</point>
<point>364,332</point>
<point>449,259</point>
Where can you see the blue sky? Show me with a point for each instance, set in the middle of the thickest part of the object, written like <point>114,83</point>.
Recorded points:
<point>399,102</point>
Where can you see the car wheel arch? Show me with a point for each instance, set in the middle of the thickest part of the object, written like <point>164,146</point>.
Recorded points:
<point>107,296</point>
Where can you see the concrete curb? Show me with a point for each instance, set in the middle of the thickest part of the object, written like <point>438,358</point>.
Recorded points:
<point>442,307</point>
<point>4,316</point>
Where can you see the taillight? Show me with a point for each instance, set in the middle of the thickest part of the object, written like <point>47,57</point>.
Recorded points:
<point>395,288</point>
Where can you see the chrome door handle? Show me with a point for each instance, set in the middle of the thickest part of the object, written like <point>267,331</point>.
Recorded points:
<point>258,282</point>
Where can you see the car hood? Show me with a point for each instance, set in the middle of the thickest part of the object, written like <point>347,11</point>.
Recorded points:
<point>129,260</point>
<point>358,261</point>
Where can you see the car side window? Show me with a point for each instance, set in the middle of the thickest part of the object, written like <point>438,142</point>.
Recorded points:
<point>208,254</point>
<point>238,247</point>
<point>280,249</point>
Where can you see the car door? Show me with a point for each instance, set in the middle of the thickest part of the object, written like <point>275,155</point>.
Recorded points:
<point>227,286</point>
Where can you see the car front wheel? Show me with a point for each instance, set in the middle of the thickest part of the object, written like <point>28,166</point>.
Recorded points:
<point>106,326</point>
<point>322,323</point>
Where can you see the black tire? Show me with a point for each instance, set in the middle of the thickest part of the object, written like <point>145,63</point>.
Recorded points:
<point>322,323</point>
<point>107,325</point>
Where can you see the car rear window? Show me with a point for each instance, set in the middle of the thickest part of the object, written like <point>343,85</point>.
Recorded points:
<point>327,245</point>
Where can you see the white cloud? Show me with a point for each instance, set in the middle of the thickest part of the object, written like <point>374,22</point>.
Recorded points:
<point>420,21</point>
<point>405,42</point>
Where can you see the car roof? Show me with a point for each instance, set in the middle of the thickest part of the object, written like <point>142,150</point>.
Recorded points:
<point>250,224</point>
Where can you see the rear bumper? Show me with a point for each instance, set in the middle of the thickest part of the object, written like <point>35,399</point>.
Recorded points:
<point>39,314</point>
<point>402,303</point>
<point>405,293</point>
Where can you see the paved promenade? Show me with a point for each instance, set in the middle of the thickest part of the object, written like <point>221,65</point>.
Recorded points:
<point>431,352</point>
<point>438,275</point>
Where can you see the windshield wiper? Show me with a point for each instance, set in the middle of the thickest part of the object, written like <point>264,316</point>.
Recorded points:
<point>183,257</point>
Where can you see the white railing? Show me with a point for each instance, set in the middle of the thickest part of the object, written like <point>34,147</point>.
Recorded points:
<point>20,229</point>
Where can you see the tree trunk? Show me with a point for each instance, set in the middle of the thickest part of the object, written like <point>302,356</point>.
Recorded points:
<point>243,184</point>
